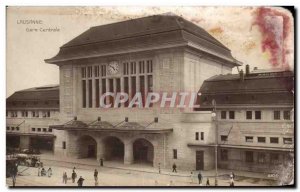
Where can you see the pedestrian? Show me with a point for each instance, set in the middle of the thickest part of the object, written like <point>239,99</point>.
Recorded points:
<point>232,176</point>
<point>159,168</point>
<point>74,168</point>
<point>49,172</point>
<point>80,181</point>
<point>101,162</point>
<point>207,182</point>
<point>43,172</point>
<point>39,171</point>
<point>74,175</point>
<point>191,176</point>
<point>96,175</point>
<point>14,174</point>
<point>174,168</point>
<point>200,178</point>
<point>65,178</point>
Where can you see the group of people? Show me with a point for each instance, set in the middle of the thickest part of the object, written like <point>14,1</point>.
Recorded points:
<point>42,172</point>
<point>81,179</point>
<point>200,177</point>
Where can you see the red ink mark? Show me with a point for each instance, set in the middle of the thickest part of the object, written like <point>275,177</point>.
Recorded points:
<point>275,27</point>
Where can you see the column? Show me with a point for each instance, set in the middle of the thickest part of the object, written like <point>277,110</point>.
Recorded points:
<point>100,149</point>
<point>128,153</point>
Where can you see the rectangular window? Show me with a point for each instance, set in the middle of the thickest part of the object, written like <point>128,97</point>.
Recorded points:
<point>197,136</point>
<point>64,145</point>
<point>287,140</point>
<point>90,94</point>
<point>96,71</point>
<point>261,158</point>
<point>32,129</point>
<point>286,115</point>
<point>97,93</point>
<point>103,70</point>
<point>202,136</point>
<point>133,87</point>
<point>150,86</point>
<point>149,66</point>
<point>48,113</point>
<point>274,140</point>
<point>133,68</point>
<point>274,158</point>
<point>118,87</point>
<point>249,139</point>
<point>249,156</point>
<point>248,114</point>
<point>174,153</point>
<point>223,114</point>
<point>39,129</point>
<point>224,155</point>
<point>231,115</point>
<point>90,71</point>
<point>261,139</point>
<point>49,130</point>
<point>12,128</point>
<point>18,128</point>
<point>257,114</point>
<point>224,137</point>
<point>83,94</point>
<point>104,88</point>
<point>126,90</point>
<point>7,128</point>
<point>24,114</point>
<point>276,115</point>
<point>125,68</point>
<point>111,90</point>
<point>142,67</point>
<point>142,89</point>
<point>44,130</point>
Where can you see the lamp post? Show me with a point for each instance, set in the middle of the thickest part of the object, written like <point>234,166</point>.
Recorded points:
<point>215,119</point>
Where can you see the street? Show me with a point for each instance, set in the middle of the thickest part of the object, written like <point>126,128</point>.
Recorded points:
<point>118,177</point>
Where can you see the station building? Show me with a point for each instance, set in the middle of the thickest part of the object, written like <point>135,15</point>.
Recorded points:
<point>29,113</point>
<point>255,118</point>
<point>253,126</point>
<point>159,53</point>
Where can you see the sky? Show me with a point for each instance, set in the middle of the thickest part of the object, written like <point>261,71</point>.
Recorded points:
<point>259,36</point>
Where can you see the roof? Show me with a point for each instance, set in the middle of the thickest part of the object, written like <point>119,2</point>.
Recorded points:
<point>256,88</point>
<point>138,33</point>
<point>44,93</point>
<point>282,81</point>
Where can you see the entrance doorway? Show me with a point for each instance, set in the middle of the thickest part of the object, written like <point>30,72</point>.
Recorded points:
<point>199,160</point>
<point>87,147</point>
<point>143,151</point>
<point>114,149</point>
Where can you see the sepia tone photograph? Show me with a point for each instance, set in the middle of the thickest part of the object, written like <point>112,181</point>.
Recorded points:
<point>160,97</point>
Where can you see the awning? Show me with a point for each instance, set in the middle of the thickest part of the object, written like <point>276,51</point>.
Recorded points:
<point>30,134</point>
<point>104,126</point>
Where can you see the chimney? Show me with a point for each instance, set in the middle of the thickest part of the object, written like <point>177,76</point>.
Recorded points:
<point>255,68</point>
<point>247,70</point>
<point>242,75</point>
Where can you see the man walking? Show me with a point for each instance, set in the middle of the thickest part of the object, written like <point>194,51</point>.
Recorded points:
<point>174,168</point>
<point>65,178</point>
<point>74,175</point>
<point>200,178</point>
<point>96,175</point>
<point>80,181</point>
